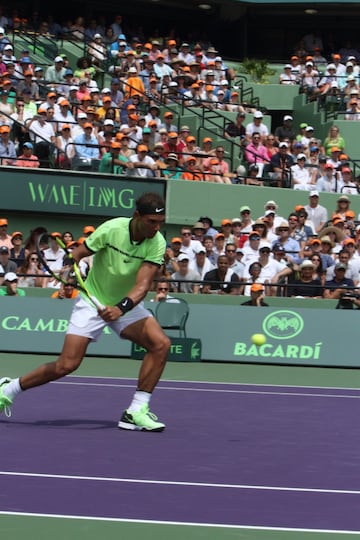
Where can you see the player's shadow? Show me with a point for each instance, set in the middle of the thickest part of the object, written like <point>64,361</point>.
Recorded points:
<point>72,423</point>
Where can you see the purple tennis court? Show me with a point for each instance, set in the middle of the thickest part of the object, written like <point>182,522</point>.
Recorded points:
<point>231,455</point>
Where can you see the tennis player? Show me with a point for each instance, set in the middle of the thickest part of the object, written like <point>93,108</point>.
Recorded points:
<point>127,254</point>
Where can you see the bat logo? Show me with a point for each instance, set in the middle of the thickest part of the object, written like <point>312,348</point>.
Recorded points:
<point>283,324</point>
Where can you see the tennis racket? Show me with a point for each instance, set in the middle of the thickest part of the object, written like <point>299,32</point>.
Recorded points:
<point>64,274</point>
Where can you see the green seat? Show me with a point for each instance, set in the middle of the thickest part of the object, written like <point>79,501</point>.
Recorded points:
<point>173,315</point>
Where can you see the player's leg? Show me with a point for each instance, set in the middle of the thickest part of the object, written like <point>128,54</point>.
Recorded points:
<point>73,352</point>
<point>84,326</point>
<point>71,356</point>
<point>148,334</point>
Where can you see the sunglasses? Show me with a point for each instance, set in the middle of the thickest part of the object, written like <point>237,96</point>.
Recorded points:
<point>34,259</point>
<point>163,289</point>
<point>186,234</point>
<point>230,251</point>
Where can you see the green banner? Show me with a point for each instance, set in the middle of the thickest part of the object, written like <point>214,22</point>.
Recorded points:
<point>181,350</point>
<point>73,193</point>
<point>315,337</point>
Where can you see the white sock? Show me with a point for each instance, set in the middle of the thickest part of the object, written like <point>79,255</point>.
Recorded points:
<point>12,389</point>
<point>139,400</point>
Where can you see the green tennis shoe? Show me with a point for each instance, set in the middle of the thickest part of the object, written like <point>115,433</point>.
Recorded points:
<point>143,420</point>
<point>5,402</point>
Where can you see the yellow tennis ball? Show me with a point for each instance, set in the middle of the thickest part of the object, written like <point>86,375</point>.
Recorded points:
<point>258,339</point>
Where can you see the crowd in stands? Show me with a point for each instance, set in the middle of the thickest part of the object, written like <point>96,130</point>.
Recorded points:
<point>305,254</point>
<point>61,116</point>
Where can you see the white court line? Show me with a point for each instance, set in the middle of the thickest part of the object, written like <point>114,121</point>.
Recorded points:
<point>186,381</point>
<point>180,523</point>
<point>213,390</point>
<point>181,484</point>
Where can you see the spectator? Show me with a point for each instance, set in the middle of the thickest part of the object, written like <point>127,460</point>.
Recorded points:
<point>30,273</point>
<point>286,130</point>
<point>255,152</point>
<point>162,293</point>
<point>301,177</point>
<point>113,163</point>
<point>201,264</point>
<point>11,286</point>
<point>186,276</point>
<point>291,246</point>
<point>56,72</point>
<point>234,264</point>
<point>333,139</point>
<point>43,136</point>
<point>5,238</point>
<point>209,226</point>
<point>335,288</point>
<point>143,165</point>
<point>317,214</point>
<point>7,147</point>
<point>258,126</point>
<point>86,144</point>
<point>256,296</point>
<point>54,254</point>
<point>281,163</point>
<point>5,262</point>
<point>287,77</point>
<point>172,169</point>
<point>221,280</point>
<point>17,251</point>
<point>66,291</point>
<point>27,158</point>
<point>305,285</point>
<point>251,276</point>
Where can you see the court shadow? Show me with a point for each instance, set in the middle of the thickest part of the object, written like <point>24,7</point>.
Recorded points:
<point>77,423</point>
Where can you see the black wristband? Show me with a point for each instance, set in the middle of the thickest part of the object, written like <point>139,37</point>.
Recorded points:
<point>126,304</point>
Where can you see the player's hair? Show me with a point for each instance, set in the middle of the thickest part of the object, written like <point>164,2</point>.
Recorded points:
<point>150,203</point>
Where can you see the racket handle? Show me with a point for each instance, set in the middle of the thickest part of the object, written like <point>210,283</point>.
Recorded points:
<point>96,303</point>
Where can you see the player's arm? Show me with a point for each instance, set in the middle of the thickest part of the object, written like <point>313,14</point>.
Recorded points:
<point>144,278</point>
<point>80,252</point>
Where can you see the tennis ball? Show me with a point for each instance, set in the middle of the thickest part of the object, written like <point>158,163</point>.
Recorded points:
<point>258,339</point>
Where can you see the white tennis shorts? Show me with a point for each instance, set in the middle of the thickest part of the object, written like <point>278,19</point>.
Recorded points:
<point>86,322</point>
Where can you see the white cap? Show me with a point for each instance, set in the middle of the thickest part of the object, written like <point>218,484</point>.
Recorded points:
<point>97,36</point>
<point>288,117</point>
<point>106,91</point>
<point>199,249</point>
<point>309,128</point>
<point>218,59</point>
<point>59,59</point>
<point>301,156</point>
<point>132,70</point>
<point>224,82</point>
<point>264,244</point>
<point>94,90</point>
<point>183,257</point>
<point>287,66</point>
<point>309,63</point>
<point>8,47</point>
<point>2,31</point>
<point>258,114</point>
<point>307,264</point>
<point>81,115</point>
<point>10,276</point>
<point>314,193</point>
<point>330,66</point>
<point>283,144</point>
<point>108,122</point>
<point>173,84</point>
<point>73,87</point>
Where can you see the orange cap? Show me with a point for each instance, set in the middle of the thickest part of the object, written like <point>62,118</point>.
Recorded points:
<point>142,148</point>
<point>88,229</point>
<point>176,239</point>
<point>256,287</point>
<point>226,222</point>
